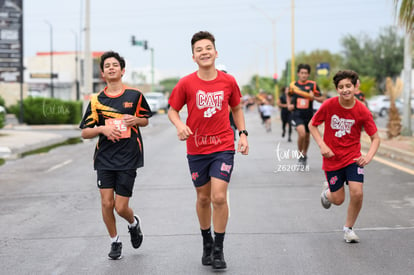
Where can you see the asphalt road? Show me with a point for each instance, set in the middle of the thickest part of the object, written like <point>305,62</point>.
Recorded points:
<point>50,219</point>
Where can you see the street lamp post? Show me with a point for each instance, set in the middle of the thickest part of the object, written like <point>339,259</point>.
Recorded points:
<point>51,59</point>
<point>152,69</point>
<point>292,64</point>
<point>273,21</point>
<point>76,66</point>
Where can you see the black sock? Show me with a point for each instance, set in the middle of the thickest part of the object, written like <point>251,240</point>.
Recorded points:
<point>218,239</point>
<point>206,233</point>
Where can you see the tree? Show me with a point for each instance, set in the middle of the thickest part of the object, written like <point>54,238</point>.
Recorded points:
<point>313,58</point>
<point>406,19</point>
<point>378,58</point>
<point>168,84</point>
<point>319,56</point>
<point>405,14</point>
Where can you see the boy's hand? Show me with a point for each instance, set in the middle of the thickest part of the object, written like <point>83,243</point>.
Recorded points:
<point>183,132</point>
<point>130,120</point>
<point>362,161</point>
<point>111,132</point>
<point>243,145</point>
<point>326,151</point>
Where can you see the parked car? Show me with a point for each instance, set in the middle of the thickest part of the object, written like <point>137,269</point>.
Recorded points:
<point>380,105</point>
<point>156,101</point>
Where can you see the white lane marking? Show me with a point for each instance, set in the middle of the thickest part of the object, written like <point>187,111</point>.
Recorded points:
<point>57,166</point>
<point>385,228</point>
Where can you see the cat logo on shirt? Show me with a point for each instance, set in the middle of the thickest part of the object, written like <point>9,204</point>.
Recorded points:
<point>342,125</point>
<point>211,101</point>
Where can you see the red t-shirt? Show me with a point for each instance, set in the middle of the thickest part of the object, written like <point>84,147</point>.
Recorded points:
<point>343,131</point>
<point>208,111</point>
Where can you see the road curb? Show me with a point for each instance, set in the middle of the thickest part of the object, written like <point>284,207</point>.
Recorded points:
<point>391,153</point>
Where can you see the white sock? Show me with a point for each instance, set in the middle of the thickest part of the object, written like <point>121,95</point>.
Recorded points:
<point>347,228</point>
<point>134,223</point>
<point>115,239</point>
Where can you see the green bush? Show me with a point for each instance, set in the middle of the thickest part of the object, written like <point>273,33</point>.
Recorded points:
<point>38,110</point>
<point>2,120</point>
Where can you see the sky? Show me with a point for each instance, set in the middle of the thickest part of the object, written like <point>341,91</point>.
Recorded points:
<point>243,30</point>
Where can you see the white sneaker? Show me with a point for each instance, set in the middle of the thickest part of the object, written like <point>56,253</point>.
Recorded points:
<point>324,200</point>
<point>350,236</point>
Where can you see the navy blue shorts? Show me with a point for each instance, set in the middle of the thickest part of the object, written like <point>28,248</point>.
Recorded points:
<point>352,172</point>
<point>203,167</point>
<point>122,181</point>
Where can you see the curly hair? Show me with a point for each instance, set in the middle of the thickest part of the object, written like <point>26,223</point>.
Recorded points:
<point>113,54</point>
<point>353,76</point>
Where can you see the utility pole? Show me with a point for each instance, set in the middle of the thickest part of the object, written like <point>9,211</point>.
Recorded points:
<point>76,66</point>
<point>21,116</point>
<point>292,65</point>
<point>52,94</point>
<point>406,121</point>
<point>88,87</point>
<point>273,21</point>
<point>152,69</point>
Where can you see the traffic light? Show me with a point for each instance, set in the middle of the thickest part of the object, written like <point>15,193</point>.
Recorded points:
<point>142,43</point>
<point>275,78</point>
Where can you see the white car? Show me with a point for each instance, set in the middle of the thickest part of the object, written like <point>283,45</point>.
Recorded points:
<point>380,105</point>
<point>156,101</point>
<point>2,110</point>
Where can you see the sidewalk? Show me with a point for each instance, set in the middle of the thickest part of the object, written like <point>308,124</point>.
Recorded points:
<point>399,149</point>
<point>18,139</point>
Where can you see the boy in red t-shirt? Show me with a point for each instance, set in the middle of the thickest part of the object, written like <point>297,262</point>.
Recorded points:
<point>208,94</point>
<point>344,117</point>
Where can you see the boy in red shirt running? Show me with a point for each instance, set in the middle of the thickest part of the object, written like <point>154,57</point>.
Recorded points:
<point>344,116</point>
<point>208,94</point>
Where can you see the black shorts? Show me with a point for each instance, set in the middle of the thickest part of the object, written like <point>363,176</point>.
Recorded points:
<point>352,172</point>
<point>122,181</point>
<point>203,167</point>
<point>301,118</point>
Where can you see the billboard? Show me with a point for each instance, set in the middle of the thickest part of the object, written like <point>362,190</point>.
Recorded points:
<point>11,40</point>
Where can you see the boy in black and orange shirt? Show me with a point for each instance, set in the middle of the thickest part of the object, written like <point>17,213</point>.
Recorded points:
<point>115,115</point>
<point>301,96</point>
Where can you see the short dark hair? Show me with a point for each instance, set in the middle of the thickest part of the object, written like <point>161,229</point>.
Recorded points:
<point>200,36</point>
<point>353,76</point>
<point>113,54</point>
<point>304,66</point>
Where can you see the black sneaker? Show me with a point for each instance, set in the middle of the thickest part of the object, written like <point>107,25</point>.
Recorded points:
<point>218,258</point>
<point>136,234</point>
<point>116,251</point>
<point>303,160</point>
<point>207,259</point>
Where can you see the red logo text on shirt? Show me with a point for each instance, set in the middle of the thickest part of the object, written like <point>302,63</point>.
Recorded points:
<point>128,104</point>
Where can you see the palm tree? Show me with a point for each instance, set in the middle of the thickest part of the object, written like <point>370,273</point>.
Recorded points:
<point>405,11</point>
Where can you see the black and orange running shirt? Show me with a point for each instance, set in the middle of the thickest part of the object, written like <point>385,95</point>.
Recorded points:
<point>302,104</point>
<point>127,153</point>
